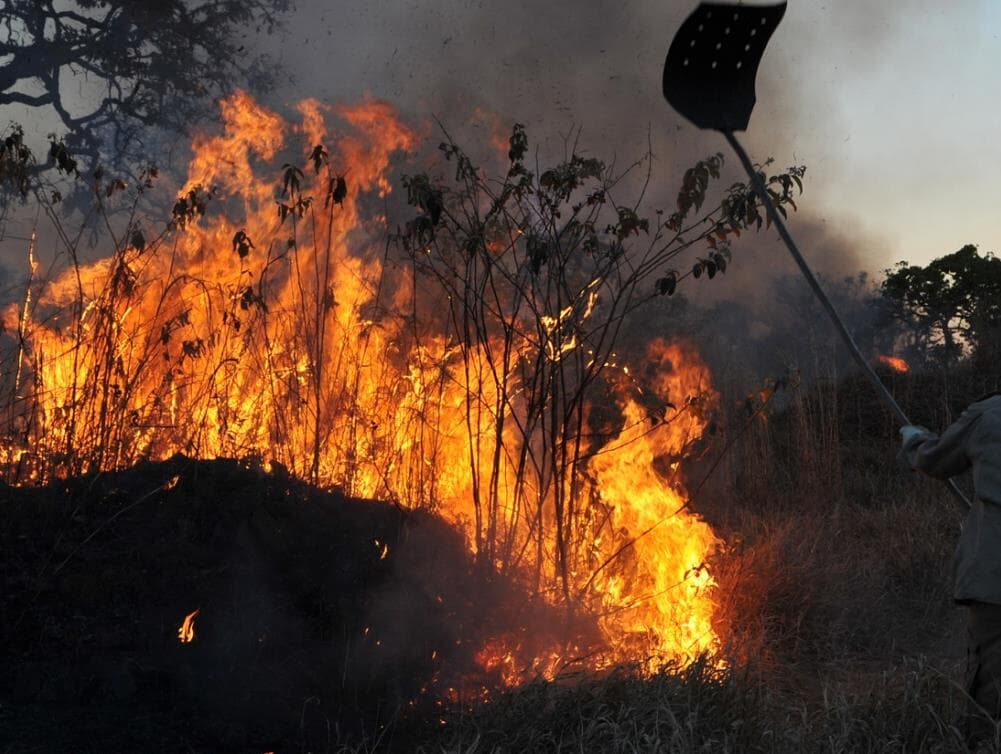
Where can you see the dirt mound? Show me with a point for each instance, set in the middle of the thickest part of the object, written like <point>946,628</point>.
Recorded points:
<point>321,618</point>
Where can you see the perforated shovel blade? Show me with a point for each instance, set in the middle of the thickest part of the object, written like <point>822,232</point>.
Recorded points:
<point>710,68</point>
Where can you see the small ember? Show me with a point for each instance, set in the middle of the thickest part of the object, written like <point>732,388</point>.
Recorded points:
<point>186,633</point>
<point>895,363</point>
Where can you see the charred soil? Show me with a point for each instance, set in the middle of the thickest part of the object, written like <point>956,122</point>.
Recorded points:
<point>322,619</point>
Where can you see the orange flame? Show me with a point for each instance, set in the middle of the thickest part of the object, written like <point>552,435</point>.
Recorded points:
<point>273,329</point>
<point>186,633</point>
<point>895,363</point>
<point>659,600</point>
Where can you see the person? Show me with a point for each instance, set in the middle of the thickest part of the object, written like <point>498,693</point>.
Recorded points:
<point>973,442</point>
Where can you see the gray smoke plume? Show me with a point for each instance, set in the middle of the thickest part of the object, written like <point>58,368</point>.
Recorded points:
<point>561,66</point>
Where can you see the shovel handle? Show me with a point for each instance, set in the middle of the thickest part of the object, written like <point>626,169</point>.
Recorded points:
<point>759,187</point>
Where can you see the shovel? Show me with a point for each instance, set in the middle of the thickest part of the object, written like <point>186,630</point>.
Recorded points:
<point>709,78</point>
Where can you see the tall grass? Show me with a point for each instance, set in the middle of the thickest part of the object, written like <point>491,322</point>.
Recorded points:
<point>834,599</point>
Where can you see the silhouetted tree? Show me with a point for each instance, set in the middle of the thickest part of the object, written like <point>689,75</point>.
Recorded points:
<point>110,68</point>
<point>951,307</point>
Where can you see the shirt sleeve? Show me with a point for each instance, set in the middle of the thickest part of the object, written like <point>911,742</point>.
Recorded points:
<point>945,456</point>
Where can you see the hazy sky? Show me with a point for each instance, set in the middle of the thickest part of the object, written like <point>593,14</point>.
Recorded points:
<point>893,107</point>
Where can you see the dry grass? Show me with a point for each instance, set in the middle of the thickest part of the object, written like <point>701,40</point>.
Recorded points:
<point>834,602</point>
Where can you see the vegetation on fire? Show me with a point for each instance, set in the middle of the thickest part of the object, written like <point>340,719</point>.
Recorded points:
<point>464,375</point>
<point>474,366</point>
<point>534,276</point>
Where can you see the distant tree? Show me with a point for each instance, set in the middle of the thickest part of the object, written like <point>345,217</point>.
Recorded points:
<point>108,69</point>
<point>951,307</point>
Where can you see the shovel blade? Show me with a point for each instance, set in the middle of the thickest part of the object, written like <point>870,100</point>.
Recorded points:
<point>710,68</point>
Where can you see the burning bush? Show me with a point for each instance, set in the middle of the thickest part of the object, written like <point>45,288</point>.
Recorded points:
<point>457,369</point>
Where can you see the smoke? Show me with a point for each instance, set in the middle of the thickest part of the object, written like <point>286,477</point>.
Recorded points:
<point>561,66</point>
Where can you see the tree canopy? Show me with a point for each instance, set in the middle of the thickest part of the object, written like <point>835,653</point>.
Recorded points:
<point>108,69</point>
<point>951,306</point>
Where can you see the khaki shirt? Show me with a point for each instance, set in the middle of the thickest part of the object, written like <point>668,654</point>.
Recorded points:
<point>972,441</point>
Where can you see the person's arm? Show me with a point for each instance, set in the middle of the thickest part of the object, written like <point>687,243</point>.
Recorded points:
<point>944,456</point>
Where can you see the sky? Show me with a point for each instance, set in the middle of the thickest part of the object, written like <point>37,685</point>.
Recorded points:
<point>893,107</point>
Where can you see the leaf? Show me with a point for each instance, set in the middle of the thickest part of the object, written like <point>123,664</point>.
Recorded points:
<point>138,240</point>
<point>697,270</point>
<point>337,190</point>
<point>242,244</point>
<point>290,179</point>
<point>666,285</point>
<point>116,185</point>
<point>319,157</point>
<point>518,143</point>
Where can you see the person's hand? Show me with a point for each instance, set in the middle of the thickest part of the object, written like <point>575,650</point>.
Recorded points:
<point>910,430</point>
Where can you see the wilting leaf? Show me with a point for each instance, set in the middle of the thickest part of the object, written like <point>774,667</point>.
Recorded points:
<point>290,179</point>
<point>697,270</point>
<point>337,190</point>
<point>629,223</point>
<point>538,253</point>
<point>116,185</point>
<point>319,157</point>
<point>248,299</point>
<point>138,240</point>
<point>61,157</point>
<point>667,284</point>
<point>191,204</point>
<point>193,348</point>
<point>242,243</point>
<point>518,143</point>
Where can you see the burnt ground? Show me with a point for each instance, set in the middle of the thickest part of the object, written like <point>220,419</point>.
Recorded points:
<point>306,637</point>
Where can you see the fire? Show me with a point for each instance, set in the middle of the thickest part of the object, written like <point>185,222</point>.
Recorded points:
<point>267,324</point>
<point>895,363</point>
<point>658,602</point>
<point>186,633</point>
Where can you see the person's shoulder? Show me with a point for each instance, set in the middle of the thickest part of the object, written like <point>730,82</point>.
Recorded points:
<point>991,401</point>
<point>987,406</point>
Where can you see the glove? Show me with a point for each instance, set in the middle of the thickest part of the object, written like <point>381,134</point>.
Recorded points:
<point>910,431</point>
